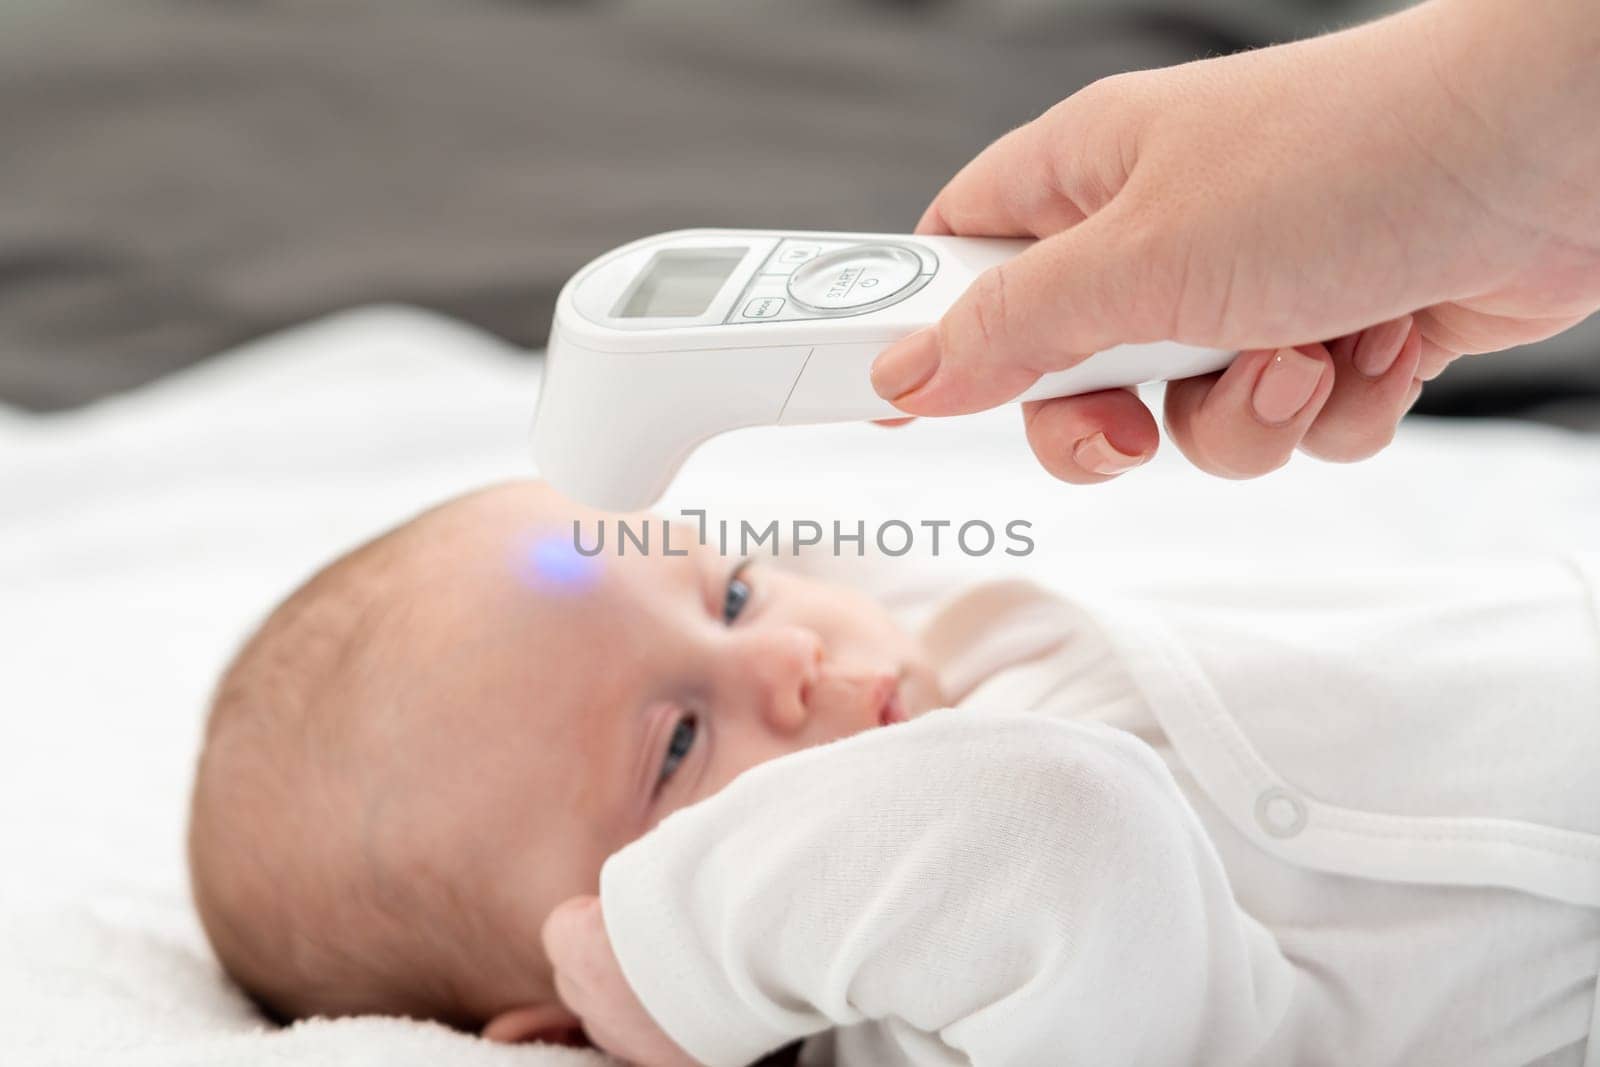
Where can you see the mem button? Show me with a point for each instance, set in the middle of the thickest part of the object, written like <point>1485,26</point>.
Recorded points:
<point>764,307</point>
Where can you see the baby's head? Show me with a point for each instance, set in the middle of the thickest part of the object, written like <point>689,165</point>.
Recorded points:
<point>443,734</point>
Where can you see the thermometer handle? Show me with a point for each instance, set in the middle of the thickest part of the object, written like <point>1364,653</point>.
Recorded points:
<point>835,384</point>
<point>1125,365</point>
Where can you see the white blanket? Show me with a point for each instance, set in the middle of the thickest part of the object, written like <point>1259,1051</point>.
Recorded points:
<point>141,538</point>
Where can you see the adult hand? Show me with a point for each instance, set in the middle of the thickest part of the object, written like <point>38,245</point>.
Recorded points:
<point>1352,212</point>
<point>590,983</point>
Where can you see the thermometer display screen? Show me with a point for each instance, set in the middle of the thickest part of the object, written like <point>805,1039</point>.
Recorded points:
<point>679,283</point>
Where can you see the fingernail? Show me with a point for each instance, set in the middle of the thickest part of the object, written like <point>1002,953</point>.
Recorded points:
<point>1285,386</point>
<point>1378,347</point>
<point>1101,456</point>
<point>907,364</point>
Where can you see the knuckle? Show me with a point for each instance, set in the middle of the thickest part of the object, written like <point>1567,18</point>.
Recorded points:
<point>988,317</point>
<point>1107,91</point>
<point>1154,274</point>
<point>1067,112</point>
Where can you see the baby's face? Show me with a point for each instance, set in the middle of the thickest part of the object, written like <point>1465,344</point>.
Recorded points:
<point>556,706</point>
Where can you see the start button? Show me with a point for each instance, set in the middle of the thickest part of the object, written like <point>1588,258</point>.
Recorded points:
<point>850,279</point>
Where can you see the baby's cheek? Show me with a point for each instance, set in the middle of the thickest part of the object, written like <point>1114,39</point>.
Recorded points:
<point>735,754</point>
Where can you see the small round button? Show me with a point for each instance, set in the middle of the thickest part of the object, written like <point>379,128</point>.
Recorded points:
<point>1280,812</point>
<point>854,278</point>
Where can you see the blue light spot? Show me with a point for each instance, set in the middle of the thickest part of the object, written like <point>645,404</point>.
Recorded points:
<point>551,562</point>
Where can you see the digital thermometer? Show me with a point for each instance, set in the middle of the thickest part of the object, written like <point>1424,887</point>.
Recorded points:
<point>673,339</point>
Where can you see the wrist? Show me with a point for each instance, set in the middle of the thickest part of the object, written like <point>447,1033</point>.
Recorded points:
<point>1507,95</point>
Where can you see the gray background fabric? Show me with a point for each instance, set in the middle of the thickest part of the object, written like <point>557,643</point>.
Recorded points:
<point>177,176</point>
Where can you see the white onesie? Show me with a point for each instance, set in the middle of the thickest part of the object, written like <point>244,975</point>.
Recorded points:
<point>1342,820</point>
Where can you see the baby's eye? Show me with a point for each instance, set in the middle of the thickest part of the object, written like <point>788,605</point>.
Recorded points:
<point>678,747</point>
<point>736,597</point>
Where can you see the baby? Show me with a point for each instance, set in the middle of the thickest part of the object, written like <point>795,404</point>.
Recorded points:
<point>1349,821</point>
<point>446,732</point>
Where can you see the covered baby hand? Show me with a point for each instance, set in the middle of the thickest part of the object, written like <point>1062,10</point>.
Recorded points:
<point>590,983</point>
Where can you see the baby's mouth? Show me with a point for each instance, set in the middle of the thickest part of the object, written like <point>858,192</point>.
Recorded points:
<point>891,710</point>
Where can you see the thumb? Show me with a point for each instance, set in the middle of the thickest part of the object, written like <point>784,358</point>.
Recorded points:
<point>1067,297</point>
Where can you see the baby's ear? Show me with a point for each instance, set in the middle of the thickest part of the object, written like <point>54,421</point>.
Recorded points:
<point>550,1023</point>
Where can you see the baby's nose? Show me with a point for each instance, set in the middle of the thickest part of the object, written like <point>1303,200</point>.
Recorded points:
<point>785,667</point>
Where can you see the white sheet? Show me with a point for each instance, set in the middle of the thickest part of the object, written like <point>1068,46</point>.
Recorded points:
<point>140,538</point>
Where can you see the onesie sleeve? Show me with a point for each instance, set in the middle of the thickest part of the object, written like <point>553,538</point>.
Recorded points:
<point>1009,887</point>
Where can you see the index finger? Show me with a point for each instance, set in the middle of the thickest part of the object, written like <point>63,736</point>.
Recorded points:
<point>1042,177</point>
